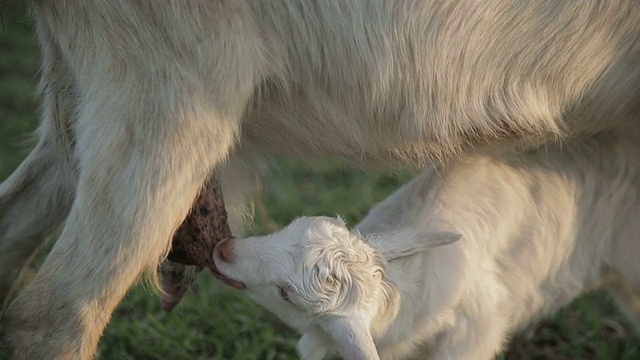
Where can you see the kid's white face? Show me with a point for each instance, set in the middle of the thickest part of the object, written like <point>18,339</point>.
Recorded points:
<point>306,269</point>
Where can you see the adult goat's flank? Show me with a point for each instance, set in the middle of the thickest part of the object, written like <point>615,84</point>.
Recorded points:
<point>144,99</point>
<point>526,235</point>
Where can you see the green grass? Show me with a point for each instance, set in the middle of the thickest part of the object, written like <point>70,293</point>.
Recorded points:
<point>216,322</point>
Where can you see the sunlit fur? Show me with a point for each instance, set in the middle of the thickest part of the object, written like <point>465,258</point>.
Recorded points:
<point>143,99</point>
<point>536,230</point>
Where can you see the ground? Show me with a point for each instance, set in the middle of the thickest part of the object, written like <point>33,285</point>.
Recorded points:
<point>216,322</point>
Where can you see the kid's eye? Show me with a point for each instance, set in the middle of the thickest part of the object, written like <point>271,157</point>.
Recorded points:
<point>284,294</point>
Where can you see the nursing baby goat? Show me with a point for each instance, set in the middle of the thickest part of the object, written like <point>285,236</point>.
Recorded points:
<point>457,260</point>
<point>143,100</point>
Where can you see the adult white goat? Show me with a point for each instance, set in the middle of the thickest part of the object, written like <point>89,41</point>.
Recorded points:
<point>536,231</point>
<point>143,99</point>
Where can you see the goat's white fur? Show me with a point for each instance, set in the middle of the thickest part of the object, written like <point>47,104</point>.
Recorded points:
<point>142,99</point>
<point>526,235</point>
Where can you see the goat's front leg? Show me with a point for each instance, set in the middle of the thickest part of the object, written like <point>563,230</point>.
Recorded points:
<point>315,344</point>
<point>475,336</point>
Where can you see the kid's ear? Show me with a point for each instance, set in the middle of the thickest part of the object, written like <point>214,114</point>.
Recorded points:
<point>406,242</point>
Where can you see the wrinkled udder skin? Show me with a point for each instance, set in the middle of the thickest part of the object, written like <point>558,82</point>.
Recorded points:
<point>193,243</point>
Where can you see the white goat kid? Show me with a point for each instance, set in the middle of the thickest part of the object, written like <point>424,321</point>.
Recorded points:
<point>144,99</point>
<point>535,232</point>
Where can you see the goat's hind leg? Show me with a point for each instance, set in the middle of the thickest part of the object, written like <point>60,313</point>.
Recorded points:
<point>131,197</point>
<point>143,153</point>
<point>36,198</point>
<point>147,137</point>
<point>34,201</point>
